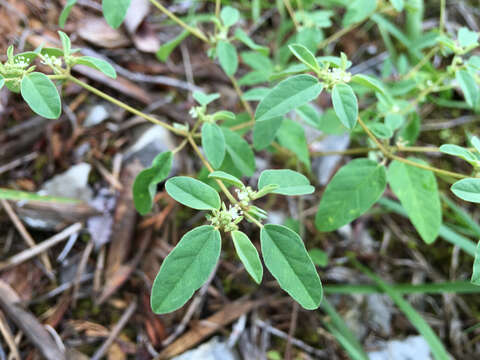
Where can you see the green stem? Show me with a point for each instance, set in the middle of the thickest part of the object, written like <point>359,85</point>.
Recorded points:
<point>288,5</point>
<point>125,106</point>
<point>187,27</point>
<point>391,156</point>
<point>443,6</point>
<point>239,92</point>
<point>217,8</point>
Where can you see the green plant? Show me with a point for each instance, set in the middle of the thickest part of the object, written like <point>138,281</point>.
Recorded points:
<point>379,112</point>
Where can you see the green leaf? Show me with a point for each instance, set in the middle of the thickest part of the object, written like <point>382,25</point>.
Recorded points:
<point>256,94</point>
<point>264,132</point>
<point>193,193</point>
<point>476,143</point>
<point>242,36</point>
<point>351,192</point>
<point>240,152</point>
<point>380,130</point>
<point>41,95</point>
<point>205,99</point>
<point>369,82</point>
<point>2,81</point>
<point>345,105</point>
<point>185,269</point>
<point>166,49</point>
<point>398,4</point>
<point>229,179</point>
<point>467,38</point>
<point>358,10</point>
<point>305,56</point>
<point>459,151</point>
<point>227,55</point>
<point>229,16</point>
<point>468,86</point>
<point>26,57</point>
<point>476,266</point>
<point>319,257</point>
<point>66,12</point>
<point>248,255</point>
<point>66,43</point>
<point>257,61</point>
<point>288,95</point>
<point>394,121</point>
<point>223,115</point>
<point>339,329</point>
<point>290,182</point>
<point>418,193</point>
<point>467,189</point>
<point>213,143</point>
<point>287,259</point>
<point>115,11</point>
<point>98,64</point>
<point>145,184</point>
<point>308,113</point>
<point>291,135</point>
<point>52,52</point>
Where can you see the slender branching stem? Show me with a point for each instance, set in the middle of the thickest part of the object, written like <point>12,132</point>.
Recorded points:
<point>441,25</point>
<point>194,31</point>
<point>239,92</point>
<point>391,156</point>
<point>288,5</point>
<point>126,107</point>
<point>217,8</point>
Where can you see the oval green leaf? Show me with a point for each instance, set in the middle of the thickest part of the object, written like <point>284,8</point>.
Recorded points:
<point>369,82</point>
<point>2,81</point>
<point>62,19</point>
<point>229,16</point>
<point>475,279</point>
<point>458,151</point>
<point>468,86</point>
<point>290,182</point>
<point>193,193</point>
<point>205,99</point>
<point>97,64</point>
<point>185,269</point>
<point>305,56</point>
<point>291,135</point>
<point>345,105</point>
<point>229,179</point>
<point>418,193</point>
<point>227,55</point>
<point>115,11</point>
<point>264,132</point>
<point>41,95</point>
<point>145,184</point>
<point>240,152</point>
<point>288,95</point>
<point>467,189</point>
<point>213,143</point>
<point>351,192</point>
<point>248,254</point>
<point>287,259</point>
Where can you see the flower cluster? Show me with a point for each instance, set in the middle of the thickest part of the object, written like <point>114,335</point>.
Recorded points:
<point>226,220</point>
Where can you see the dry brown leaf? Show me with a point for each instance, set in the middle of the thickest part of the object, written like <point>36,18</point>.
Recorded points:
<point>96,31</point>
